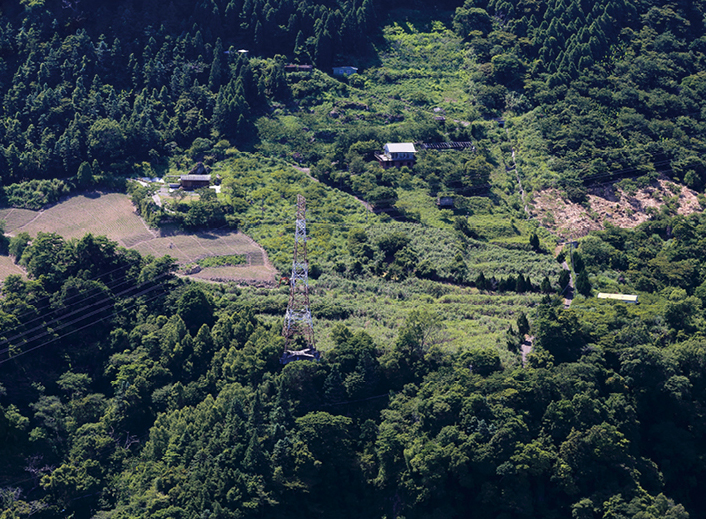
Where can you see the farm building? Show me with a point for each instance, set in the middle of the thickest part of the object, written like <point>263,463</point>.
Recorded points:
<point>344,71</point>
<point>445,201</point>
<point>195,181</point>
<point>397,154</point>
<point>625,298</point>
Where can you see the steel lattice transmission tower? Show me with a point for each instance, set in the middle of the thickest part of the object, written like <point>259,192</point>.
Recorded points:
<point>298,330</point>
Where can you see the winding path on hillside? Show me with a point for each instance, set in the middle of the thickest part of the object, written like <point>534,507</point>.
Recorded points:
<point>517,176</point>
<point>308,173</point>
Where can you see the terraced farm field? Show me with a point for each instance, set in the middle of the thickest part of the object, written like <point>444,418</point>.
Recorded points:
<point>113,215</point>
<point>7,267</point>
<point>110,215</point>
<point>189,248</point>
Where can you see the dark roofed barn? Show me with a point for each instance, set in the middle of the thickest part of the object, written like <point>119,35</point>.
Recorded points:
<point>195,181</point>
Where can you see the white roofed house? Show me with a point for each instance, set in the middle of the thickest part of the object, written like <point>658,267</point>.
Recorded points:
<point>397,154</point>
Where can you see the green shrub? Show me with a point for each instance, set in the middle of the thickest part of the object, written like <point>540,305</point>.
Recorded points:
<point>222,261</point>
<point>35,194</point>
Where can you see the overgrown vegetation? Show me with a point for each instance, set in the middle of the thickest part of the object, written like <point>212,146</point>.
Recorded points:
<point>222,261</point>
<point>128,392</point>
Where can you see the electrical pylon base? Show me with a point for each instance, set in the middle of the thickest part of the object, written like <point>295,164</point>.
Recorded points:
<point>307,354</point>
<point>298,329</point>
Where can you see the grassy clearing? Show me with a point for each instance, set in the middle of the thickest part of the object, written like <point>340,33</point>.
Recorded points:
<point>269,190</point>
<point>424,63</point>
<point>493,259</point>
<point>466,317</point>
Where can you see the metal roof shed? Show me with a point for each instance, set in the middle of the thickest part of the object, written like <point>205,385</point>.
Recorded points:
<point>400,147</point>
<point>195,181</point>
<point>625,298</point>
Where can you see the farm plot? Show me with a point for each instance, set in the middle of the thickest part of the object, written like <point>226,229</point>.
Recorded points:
<point>8,267</point>
<point>250,275</point>
<point>113,215</point>
<point>193,247</point>
<point>110,215</point>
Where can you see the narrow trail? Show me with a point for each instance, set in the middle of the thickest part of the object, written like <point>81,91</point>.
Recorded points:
<point>517,176</point>
<point>526,348</point>
<point>19,229</point>
<point>569,290</point>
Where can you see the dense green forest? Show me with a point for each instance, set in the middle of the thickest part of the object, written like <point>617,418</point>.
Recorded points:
<point>613,88</point>
<point>127,391</point>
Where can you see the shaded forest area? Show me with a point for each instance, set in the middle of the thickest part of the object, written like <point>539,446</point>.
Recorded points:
<point>617,86</point>
<point>168,400</point>
<point>120,82</point>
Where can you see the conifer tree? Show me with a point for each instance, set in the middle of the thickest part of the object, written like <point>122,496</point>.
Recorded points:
<point>84,177</point>
<point>214,77</point>
<point>334,391</point>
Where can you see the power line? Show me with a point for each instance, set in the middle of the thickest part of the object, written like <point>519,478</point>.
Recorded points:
<point>44,326</point>
<point>79,305</point>
<point>3,361</point>
<point>128,264</point>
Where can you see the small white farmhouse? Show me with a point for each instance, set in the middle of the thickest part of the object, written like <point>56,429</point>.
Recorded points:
<point>397,154</point>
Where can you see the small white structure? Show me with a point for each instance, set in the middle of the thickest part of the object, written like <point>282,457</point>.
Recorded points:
<point>397,154</point>
<point>344,71</point>
<point>625,298</point>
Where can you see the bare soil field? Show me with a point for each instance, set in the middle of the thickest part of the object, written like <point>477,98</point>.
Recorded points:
<point>113,215</point>
<point>607,203</point>
<point>110,215</point>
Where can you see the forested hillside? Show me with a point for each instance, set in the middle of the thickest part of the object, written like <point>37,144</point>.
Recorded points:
<point>617,87</point>
<point>117,82</point>
<point>463,373</point>
<point>166,399</point>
